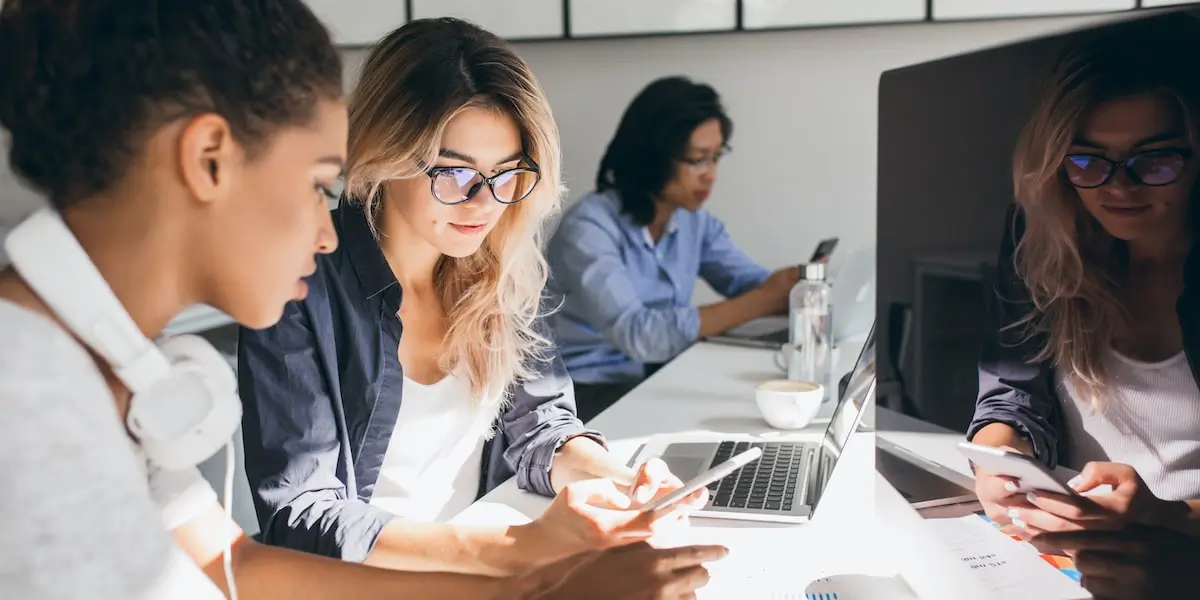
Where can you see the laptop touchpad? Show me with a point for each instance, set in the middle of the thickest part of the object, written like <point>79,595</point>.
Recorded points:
<point>688,460</point>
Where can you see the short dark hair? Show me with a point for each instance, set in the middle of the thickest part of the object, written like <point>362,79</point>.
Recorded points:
<point>83,82</point>
<point>652,137</point>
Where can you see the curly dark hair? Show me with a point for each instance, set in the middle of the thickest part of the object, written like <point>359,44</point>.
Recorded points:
<point>84,82</point>
<point>652,137</point>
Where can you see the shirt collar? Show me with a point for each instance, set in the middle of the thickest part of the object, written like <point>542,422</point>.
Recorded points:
<point>672,223</point>
<point>355,235</point>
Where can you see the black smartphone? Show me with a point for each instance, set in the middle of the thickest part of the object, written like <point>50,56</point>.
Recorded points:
<point>824,250</point>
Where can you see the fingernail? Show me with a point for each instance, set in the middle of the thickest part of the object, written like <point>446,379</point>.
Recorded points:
<point>1013,514</point>
<point>642,494</point>
<point>1020,523</point>
<point>1010,487</point>
<point>1074,482</point>
<point>1031,497</point>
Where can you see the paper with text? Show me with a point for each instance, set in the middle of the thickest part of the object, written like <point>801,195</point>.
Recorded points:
<point>1009,568</point>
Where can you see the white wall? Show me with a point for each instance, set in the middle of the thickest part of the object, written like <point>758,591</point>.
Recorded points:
<point>804,110</point>
<point>803,105</point>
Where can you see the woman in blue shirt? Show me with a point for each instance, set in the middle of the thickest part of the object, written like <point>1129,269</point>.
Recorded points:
<point>625,259</point>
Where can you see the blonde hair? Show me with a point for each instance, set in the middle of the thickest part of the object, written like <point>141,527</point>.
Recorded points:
<point>413,83</point>
<point>1065,258</point>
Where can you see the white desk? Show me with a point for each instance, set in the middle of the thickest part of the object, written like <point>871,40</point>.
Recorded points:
<point>862,527</point>
<point>709,391</point>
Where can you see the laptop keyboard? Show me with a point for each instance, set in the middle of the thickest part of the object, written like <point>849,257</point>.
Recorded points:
<point>768,483</point>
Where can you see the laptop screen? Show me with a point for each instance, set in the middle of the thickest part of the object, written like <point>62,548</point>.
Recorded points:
<point>852,403</point>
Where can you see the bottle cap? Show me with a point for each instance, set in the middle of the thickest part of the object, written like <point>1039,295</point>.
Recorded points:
<point>812,272</point>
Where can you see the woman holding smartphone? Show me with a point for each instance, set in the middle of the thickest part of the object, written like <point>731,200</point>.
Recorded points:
<point>416,375</point>
<point>189,149</point>
<point>1091,360</point>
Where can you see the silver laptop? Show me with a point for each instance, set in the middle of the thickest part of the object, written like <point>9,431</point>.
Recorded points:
<point>767,333</point>
<point>787,483</point>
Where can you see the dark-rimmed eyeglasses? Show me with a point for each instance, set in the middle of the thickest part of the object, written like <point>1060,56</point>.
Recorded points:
<point>1151,168</point>
<point>455,185</point>
<point>700,166</point>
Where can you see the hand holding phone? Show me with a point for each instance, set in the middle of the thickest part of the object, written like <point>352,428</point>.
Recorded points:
<point>824,250</point>
<point>1030,474</point>
<point>702,480</point>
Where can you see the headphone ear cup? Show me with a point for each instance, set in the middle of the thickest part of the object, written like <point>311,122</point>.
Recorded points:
<point>193,351</point>
<point>189,415</point>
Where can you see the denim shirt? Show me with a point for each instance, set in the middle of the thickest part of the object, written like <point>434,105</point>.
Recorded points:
<point>626,300</point>
<point>1020,392</point>
<point>322,391</point>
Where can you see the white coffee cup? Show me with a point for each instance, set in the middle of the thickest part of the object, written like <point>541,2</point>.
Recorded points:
<point>787,404</point>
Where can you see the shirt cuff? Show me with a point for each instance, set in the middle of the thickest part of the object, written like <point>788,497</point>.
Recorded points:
<point>689,323</point>
<point>536,478</point>
<point>359,541</point>
<point>1043,452</point>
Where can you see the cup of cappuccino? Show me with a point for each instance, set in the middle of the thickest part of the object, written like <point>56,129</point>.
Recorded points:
<point>788,404</point>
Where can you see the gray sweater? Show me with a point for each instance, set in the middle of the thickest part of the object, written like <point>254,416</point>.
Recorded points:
<point>79,519</point>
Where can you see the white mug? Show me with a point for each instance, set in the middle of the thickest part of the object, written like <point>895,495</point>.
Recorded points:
<point>787,404</point>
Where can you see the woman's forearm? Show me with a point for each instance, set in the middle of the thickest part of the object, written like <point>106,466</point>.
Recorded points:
<point>724,315</point>
<point>999,434</point>
<point>270,572</point>
<point>491,551</point>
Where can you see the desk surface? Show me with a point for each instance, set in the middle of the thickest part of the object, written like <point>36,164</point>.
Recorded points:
<point>709,391</point>
<point>863,530</point>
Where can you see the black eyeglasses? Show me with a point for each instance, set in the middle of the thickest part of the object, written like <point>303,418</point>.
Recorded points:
<point>700,166</point>
<point>455,185</point>
<point>1151,168</point>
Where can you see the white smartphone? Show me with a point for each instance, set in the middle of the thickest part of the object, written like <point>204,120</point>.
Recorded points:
<point>716,473</point>
<point>1030,474</point>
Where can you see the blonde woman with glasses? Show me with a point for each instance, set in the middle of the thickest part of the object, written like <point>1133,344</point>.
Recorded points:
<point>416,376</point>
<point>1093,353</point>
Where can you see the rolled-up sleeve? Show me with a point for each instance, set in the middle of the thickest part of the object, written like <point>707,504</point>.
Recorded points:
<point>293,447</point>
<point>540,419</point>
<point>588,265</point>
<point>724,265</point>
<point>1014,389</point>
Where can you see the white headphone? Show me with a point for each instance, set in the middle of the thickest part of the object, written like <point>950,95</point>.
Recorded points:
<point>185,405</point>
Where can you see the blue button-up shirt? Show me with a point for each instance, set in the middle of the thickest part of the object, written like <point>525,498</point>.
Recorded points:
<point>322,392</point>
<point>626,300</point>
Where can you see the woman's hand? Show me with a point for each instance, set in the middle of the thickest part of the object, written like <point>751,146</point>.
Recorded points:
<point>593,514</point>
<point>1137,561</point>
<point>997,493</point>
<point>1127,501</point>
<point>654,479</point>
<point>634,572</point>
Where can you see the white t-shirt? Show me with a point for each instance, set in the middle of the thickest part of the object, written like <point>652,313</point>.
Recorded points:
<point>81,516</point>
<point>434,460</point>
<point>1150,421</point>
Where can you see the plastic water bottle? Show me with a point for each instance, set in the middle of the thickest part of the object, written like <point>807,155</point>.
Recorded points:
<point>810,311</point>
